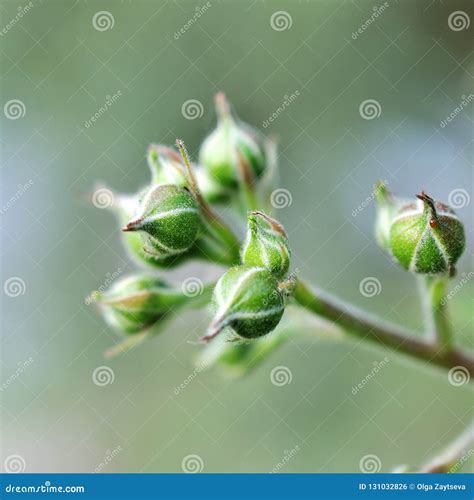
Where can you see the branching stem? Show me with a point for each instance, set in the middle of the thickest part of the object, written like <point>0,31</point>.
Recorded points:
<point>357,322</point>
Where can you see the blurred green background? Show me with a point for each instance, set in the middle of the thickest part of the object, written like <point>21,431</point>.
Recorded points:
<point>62,69</point>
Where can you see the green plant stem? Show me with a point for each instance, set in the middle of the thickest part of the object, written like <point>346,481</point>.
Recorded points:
<point>367,327</point>
<point>433,289</point>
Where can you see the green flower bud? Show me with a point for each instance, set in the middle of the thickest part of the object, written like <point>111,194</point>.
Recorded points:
<point>426,237</point>
<point>248,300</point>
<point>266,244</point>
<point>138,302</point>
<point>230,144</point>
<point>168,221</point>
<point>165,165</point>
<point>124,208</point>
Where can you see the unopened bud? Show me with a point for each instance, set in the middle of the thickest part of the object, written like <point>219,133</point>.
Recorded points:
<point>247,300</point>
<point>138,302</point>
<point>266,244</point>
<point>168,221</point>
<point>426,237</point>
<point>165,165</point>
<point>230,144</point>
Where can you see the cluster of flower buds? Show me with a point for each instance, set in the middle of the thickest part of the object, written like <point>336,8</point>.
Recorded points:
<point>424,236</point>
<point>172,220</point>
<point>250,298</point>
